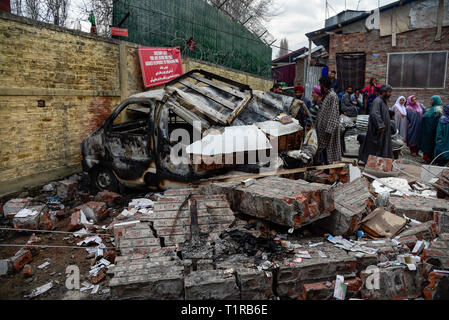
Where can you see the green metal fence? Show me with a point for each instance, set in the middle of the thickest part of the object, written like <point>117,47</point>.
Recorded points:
<point>219,39</point>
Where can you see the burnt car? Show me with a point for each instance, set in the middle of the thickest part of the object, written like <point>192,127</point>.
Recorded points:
<point>138,143</point>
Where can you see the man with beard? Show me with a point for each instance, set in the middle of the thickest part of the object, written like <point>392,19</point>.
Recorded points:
<point>328,125</point>
<point>378,138</point>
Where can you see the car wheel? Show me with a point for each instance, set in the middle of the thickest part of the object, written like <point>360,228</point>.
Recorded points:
<point>104,179</point>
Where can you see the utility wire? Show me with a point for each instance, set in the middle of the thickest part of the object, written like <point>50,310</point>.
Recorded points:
<point>51,231</point>
<point>48,246</point>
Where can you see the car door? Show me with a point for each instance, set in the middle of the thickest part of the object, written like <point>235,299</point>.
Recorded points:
<point>129,139</point>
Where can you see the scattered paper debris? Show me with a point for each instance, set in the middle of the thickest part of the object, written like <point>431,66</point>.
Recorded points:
<point>42,266</point>
<point>141,203</point>
<point>40,290</point>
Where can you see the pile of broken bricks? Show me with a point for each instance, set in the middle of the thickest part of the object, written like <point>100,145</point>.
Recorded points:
<point>273,238</point>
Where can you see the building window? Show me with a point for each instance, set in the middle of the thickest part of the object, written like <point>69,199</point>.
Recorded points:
<point>417,69</point>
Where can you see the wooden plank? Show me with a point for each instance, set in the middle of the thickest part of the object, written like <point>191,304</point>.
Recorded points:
<point>272,173</point>
<point>220,87</point>
<point>186,101</point>
<point>239,109</point>
<point>206,93</point>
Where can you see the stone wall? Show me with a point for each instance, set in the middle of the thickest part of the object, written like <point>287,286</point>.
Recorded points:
<point>81,78</point>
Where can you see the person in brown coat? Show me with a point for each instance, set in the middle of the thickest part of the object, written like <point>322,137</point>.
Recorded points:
<point>328,125</point>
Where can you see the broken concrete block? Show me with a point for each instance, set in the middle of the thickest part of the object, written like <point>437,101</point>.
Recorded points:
<point>142,280</point>
<point>438,287</point>
<point>211,285</point>
<point>13,206</point>
<point>424,231</point>
<point>409,241</point>
<point>172,215</point>
<point>437,254</point>
<point>291,276</point>
<point>292,203</point>
<point>351,200</point>
<point>254,284</point>
<point>94,211</point>
<point>5,266</point>
<point>20,259</point>
<point>28,218</point>
<point>418,208</point>
<point>110,198</point>
<point>66,189</point>
<point>442,221</point>
<point>393,283</point>
<point>325,290</point>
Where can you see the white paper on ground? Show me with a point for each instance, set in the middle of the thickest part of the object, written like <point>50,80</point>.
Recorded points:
<point>42,266</point>
<point>26,213</point>
<point>141,203</point>
<point>340,288</point>
<point>40,290</point>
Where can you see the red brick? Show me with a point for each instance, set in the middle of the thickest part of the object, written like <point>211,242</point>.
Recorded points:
<point>98,278</point>
<point>20,259</point>
<point>27,271</point>
<point>75,221</point>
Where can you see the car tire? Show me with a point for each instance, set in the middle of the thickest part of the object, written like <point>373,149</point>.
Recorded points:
<point>104,179</point>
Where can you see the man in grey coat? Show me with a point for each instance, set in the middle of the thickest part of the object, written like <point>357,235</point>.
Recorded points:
<point>346,106</point>
<point>378,138</point>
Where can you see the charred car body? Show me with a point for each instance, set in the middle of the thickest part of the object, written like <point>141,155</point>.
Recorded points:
<point>138,142</point>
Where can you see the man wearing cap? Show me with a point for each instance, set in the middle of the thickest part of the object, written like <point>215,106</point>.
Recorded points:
<point>378,137</point>
<point>299,93</point>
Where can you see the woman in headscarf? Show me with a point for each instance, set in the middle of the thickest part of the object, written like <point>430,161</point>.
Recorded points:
<point>429,125</point>
<point>442,138</point>
<point>415,112</point>
<point>400,117</point>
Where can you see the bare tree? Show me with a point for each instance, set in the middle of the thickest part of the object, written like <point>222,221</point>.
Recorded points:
<point>243,10</point>
<point>283,50</point>
<point>57,11</point>
<point>102,10</point>
<point>33,9</point>
<point>17,7</point>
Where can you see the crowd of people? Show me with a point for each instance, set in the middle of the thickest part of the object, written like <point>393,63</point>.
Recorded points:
<point>422,129</point>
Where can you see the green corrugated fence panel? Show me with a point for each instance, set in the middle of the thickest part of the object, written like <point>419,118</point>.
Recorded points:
<point>220,40</point>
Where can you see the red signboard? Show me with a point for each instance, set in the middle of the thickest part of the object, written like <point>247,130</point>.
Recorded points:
<point>119,32</point>
<point>159,65</point>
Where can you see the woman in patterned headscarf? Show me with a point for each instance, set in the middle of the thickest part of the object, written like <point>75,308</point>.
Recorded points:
<point>414,117</point>
<point>429,125</point>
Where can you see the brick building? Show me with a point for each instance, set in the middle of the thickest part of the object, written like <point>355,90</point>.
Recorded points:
<point>284,68</point>
<point>404,44</point>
